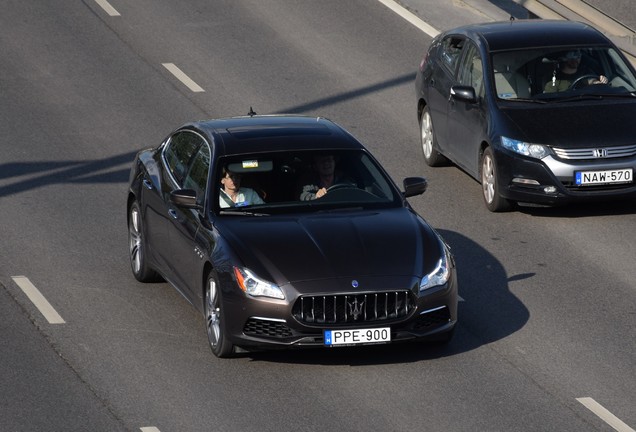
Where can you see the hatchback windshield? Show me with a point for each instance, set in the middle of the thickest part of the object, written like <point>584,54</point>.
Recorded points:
<point>557,72</point>
<point>301,181</point>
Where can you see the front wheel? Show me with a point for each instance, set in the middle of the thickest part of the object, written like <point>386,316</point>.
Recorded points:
<point>214,320</point>
<point>432,156</point>
<point>490,185</point>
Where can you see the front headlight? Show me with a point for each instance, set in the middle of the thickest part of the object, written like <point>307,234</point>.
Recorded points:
<point>537,151</point>
<point>440,274</point>
<point>256,287</point>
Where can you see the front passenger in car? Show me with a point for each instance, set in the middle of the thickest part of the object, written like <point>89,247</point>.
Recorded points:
<point>233,195</point>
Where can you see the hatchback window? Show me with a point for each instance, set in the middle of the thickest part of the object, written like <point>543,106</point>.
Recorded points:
<point>553,73</point>
<point>451,52</point>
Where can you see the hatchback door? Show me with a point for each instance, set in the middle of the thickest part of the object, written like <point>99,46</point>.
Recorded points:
<point>441,81</point>
<point>466,118</point>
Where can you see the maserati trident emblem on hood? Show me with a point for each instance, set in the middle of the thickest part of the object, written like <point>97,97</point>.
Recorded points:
<point>354,283</point>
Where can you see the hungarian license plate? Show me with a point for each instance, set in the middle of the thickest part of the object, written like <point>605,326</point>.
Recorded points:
<point>354,337</point>
<point>582,178</point>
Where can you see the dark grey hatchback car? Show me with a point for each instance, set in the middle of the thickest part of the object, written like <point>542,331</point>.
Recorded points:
<point>538,111</point>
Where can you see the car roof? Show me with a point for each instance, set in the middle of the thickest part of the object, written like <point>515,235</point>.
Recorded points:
<point>522,34</point>
<point>258,133</point>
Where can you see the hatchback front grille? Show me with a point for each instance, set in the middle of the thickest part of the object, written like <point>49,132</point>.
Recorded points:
<point>353,308</point>
<point>596,153</point>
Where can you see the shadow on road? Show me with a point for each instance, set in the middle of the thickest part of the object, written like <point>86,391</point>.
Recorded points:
<point>32,175</point>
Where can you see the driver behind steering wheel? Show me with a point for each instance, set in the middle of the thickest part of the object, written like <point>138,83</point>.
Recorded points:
<point>569,73</point>
<point>323,176</point>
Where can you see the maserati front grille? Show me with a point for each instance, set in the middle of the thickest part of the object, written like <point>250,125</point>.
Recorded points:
<point>353,308</point>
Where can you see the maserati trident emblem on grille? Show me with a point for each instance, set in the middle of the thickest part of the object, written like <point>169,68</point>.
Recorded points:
<point>356,308</point>
<point>600,153</point>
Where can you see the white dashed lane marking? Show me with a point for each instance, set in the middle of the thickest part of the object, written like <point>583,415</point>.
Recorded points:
<point>38,300</point>
<point>181,76</point>
<point>605,415</point>
<point>107,7</point>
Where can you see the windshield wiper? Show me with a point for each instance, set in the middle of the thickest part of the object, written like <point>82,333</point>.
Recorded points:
<point>539,101</point>
<point>597,96</point>
<point>242,213</point>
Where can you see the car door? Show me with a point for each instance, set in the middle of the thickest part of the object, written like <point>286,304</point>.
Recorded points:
<point>466,119</point>
<point>442,79</point>
<point>186,222</point>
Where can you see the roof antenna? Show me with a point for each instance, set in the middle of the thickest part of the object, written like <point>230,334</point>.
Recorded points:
<point>512,18</point>
<point>252,113</point>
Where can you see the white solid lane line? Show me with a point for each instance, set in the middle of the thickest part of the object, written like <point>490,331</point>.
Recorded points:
<point>410,17</point>
<point>107,7</point>
<point>38,300</point>
<point>178,73</point>
<point>150,429</point>
<point>605,415</point>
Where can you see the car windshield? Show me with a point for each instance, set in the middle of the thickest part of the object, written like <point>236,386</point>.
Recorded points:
<point>553,73</point>
<point>300,181</point>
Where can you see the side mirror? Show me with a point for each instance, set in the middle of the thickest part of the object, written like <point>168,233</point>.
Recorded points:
<point>463,94</point>
<point>186,198</point>
<point>414,186</point>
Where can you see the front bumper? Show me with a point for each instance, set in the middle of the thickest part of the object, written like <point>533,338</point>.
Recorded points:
<point>265,324</point>
<point>550,181</point>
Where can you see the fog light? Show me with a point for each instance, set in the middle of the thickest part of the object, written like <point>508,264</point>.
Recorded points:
<point>525,181</point>
<point>550,189</point>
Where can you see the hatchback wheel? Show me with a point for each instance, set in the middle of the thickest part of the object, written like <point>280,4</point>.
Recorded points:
<point>214,320</point>
<point>432,156</point>
<point>137,247</point>
<point>490,186</point>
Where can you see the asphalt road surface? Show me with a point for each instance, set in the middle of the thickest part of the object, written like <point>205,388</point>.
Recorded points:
<point>547,325</point>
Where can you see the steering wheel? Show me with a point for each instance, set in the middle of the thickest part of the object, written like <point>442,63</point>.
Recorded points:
<point>338,186</point>
<point>577,81</point>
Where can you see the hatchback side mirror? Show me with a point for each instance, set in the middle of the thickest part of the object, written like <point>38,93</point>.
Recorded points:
<point>414,186</point>
<point>463,94</point>
<point>186,198</point>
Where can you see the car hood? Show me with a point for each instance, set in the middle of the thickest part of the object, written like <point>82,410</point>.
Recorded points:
<point>574,125</point>
<point>394,242</point>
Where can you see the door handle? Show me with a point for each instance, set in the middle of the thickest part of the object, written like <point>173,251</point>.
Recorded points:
<point>147,184</point>
<point>172,213</point>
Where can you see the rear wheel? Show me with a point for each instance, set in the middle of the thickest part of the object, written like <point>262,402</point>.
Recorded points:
<point>432,156</point>
<point>490,185</point>
<point>137,247</point>
<point>214,320</point>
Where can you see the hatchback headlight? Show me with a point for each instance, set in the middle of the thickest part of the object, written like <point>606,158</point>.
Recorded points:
<point>255,286</point>
<point>537,151</point>
<point>440,274</point>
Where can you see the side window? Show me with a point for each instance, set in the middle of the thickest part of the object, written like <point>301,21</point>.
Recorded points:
<point>197,177</point>
<point>451,52</point>
<point>471,72</point>
<point>179,154</point>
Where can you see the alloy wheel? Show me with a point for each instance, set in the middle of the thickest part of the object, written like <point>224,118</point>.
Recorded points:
<point>213,313</point>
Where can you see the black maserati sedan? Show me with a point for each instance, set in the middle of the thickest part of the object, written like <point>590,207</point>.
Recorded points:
<point>538,111</point>
<point>284,231</point>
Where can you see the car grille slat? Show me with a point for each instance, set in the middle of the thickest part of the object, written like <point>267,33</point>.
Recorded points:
<point>352,308</point>
<point>596,153</point>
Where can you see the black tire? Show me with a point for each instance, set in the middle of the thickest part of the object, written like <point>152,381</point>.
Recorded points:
<point>215,320</point>
<point>490,184</point>
<point>137,247</point>
<point>432,156</point>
